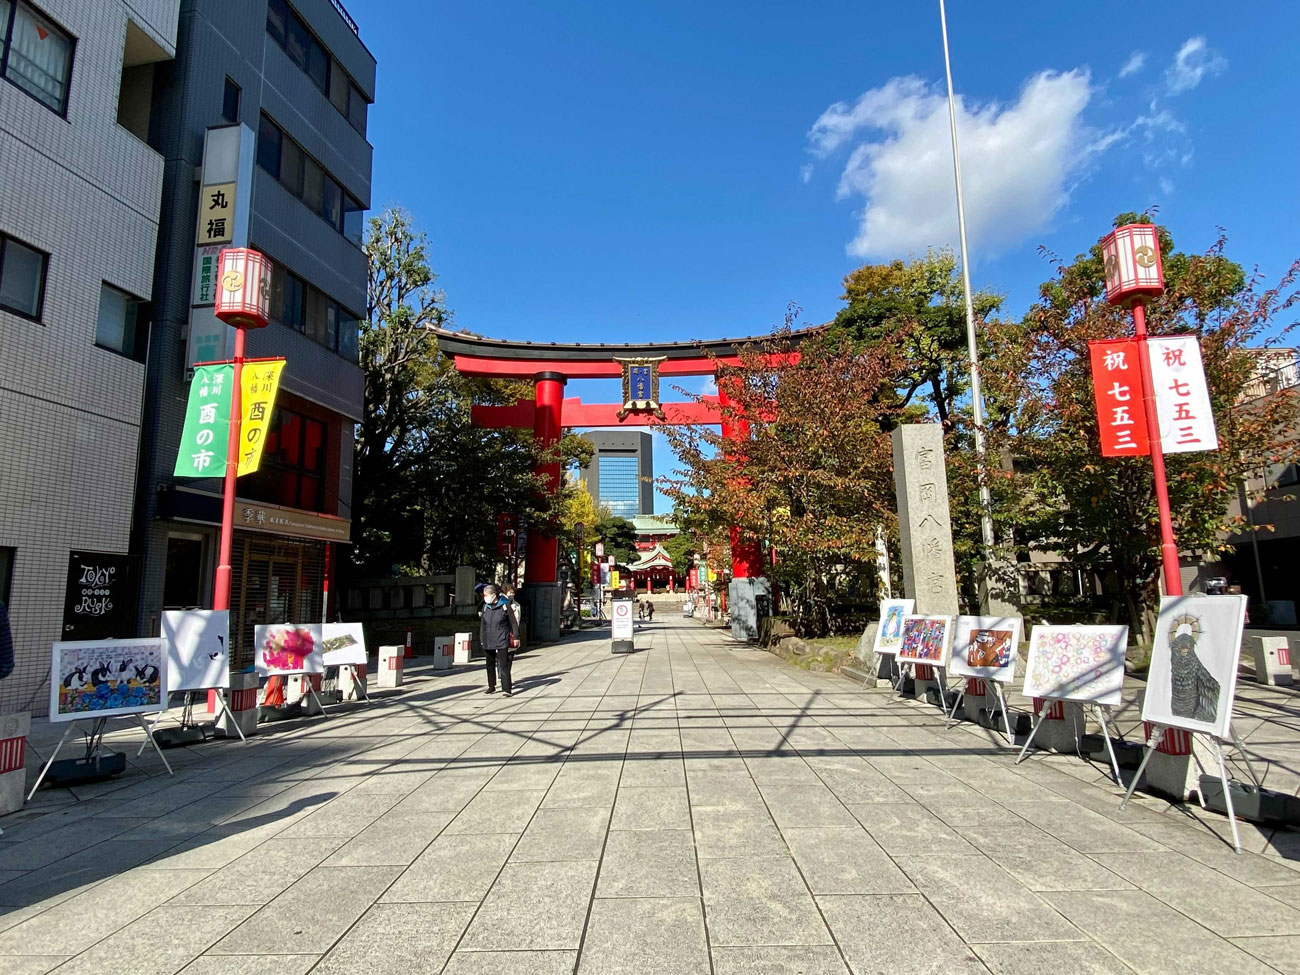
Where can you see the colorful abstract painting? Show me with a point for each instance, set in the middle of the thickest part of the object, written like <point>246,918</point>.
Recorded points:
<point>288,648</point>
<point>925,640</point>
<point>889,634</point>
<point>985,646</point>
<point>105,678</point>
<point>1194,659</point>
<point>1076,663</point>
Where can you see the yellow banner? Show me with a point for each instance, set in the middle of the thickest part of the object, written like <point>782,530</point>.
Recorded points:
<point>613,578</point>
<point>261,380</point>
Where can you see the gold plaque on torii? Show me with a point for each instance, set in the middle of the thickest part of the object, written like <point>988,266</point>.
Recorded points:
<point>641,387</point>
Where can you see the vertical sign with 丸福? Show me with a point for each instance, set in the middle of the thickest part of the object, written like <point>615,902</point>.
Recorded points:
<point>204,438</point>
<point>222,219</point>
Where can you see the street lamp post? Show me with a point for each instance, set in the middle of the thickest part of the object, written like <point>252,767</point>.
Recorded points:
<point>243,301</point>
<point>1134,272</point>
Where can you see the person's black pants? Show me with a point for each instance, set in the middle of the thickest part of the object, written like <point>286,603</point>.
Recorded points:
<point>498,662</point>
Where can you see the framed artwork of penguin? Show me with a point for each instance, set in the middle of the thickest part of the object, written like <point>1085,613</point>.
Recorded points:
<point>1194,660</point>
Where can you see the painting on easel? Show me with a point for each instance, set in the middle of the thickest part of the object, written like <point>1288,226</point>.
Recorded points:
<point>926,640</point>
<point>985,646</point>
<point>1194,660</point>
<point>288,648</point>
<point>106,678</point>
<point>1076,663</point>
<point>889,634</point>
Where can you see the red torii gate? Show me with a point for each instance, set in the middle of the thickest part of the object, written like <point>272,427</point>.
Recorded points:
<point>550,366</point>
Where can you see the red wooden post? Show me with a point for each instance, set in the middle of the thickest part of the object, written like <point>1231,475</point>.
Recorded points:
<point>1168,548</point>
<point>221,591</point>
<point>540,560</point>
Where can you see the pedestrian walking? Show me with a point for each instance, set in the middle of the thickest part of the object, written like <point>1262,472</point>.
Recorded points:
<point>650,612</point>
<point>498,629</point>
<point>509,593</point>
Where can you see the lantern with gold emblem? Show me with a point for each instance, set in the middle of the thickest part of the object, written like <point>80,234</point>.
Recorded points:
<point>1132,262</point>
<point>244,288</point>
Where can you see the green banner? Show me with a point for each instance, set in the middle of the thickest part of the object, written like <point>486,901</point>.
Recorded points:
<point>207,423</point>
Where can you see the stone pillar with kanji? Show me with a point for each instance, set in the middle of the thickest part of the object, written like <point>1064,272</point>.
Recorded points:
<point>924,522</point>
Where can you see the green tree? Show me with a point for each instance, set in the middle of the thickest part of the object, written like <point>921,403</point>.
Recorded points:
<point>619,536</point>
<point>427,483</point>
<point>681,548</point>
<point>1100,513</point>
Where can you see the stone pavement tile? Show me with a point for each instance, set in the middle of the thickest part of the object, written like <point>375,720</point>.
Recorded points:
<point>583,784</point>
<point>524,775</point>
<point>781,770</point>
<point>1057,869</point>
<point>908,827</point>
<point>805,805</point>
<point>845,861</point>
<point>395,939</point>
<point>401,778</point>
<point>1074,957</point>
<point>76,923</point>
<point>448,789</point>
<point>497,812</point>
<point>769,960</point>
<point>534,906</point>
<point>718,787</point>
<point>563,834</point>
<point>65,841</point>
<point>759,901</point>
<point>860,784</point>
<point>601,739</point>
<point>626,936</point>
<point>918,941</point>
<point>316,910</point>
<point>985,903</point>
<point>160,943</point>
<point>262,874</point>
<point>1283,953</point>
<point>1086,831</point>
<point>30,964</point>
<point>511,963</point>
<point>394,838</point>
<point>648,863</point>
<point>346,815</point>
<point>655,808</point>
<point>972,810</point>
<point>650,772</point>
<point>1150,936</point>
<point>250,965</point>
<point>721,833</point>
<point>1228,908</point>
<point>1214,851</point>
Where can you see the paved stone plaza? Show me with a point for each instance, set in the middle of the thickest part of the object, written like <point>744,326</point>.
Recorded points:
<point>695,807</point>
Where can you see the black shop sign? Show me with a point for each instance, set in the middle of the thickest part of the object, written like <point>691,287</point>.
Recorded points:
<point>100,598</point>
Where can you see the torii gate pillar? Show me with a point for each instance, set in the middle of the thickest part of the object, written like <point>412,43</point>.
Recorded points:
<point>541,591</point>
<point>749,594</point>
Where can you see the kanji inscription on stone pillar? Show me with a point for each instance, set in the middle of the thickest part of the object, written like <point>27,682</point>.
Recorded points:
<point>924,524</point>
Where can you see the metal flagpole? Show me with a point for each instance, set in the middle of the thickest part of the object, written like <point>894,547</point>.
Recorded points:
<point>977,396</point>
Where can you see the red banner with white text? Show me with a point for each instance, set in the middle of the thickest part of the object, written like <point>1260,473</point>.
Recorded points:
<point>1117,387</point>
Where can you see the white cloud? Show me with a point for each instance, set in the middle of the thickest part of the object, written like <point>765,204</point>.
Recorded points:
<point>1135,63</point>
<point>806,172</point>
<point>1019,162</point>
<point>1194,62</point>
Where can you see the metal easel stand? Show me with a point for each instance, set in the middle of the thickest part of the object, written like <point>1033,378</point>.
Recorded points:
<point>1158,735</point>
<point>187,716</point>
<point>1039,717</point>
<point>356,683</point>
<point>960,696</point>
<point>94,745</point>
<point>897,683</point>
<point>1102,711</point>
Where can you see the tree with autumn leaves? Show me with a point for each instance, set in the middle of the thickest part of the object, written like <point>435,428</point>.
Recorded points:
<point>814,479</point>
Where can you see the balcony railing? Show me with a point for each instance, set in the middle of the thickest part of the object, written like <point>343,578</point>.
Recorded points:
<point>347,18</point>
<point>1285,376</point>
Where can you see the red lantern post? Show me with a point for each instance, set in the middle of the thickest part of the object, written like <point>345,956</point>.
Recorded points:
<point>1134,272</point>
<point>243,301</point>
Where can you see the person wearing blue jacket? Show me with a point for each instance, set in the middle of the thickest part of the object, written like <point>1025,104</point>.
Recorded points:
<point>498,629</point>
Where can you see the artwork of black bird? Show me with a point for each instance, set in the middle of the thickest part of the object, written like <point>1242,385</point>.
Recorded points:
<point>1194,691</point>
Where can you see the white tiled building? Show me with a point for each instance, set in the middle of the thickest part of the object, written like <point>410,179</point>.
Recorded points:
<point>80,190</point>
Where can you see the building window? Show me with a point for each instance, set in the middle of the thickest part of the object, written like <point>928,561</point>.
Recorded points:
<point>306,179</point>
<point>230,102</point>
<point>22,277</point>
<point>37,54</point>
<point>620,485</point>
<point>292,34</point>
<point>293,463</point>
<point>120,325</point>
<point>7,556</point>
<point>305,308</point>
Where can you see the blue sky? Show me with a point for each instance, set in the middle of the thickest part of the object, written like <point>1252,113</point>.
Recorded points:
<point>626,172</point>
